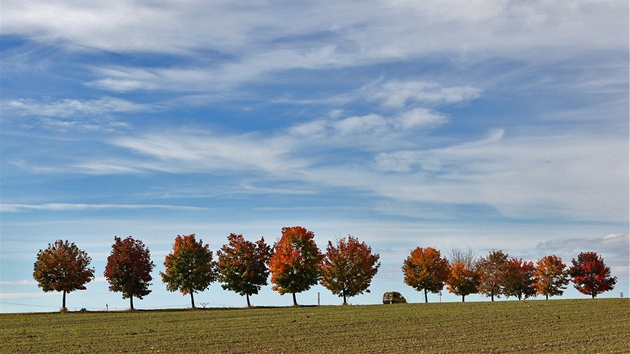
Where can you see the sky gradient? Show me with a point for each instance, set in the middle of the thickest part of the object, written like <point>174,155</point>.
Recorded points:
<point>483,124</point>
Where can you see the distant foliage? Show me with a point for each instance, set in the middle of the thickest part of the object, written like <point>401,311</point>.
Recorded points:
<point>590,275</point>
<point>519,279</point>
<point>348,267</point>
<point>551,276</point>
<point>294,265</point>
<point>426,269</point>
<point>242,265</point>
<point>128,269</point>
<point>493,269</point>
<point>62,266</point>
<point>463,279</point>
<point>189,267</point>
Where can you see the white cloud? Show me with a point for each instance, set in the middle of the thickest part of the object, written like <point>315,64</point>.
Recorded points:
<point>226,49</point>
<point>73,114</point>
<point>119,85</point>
<point>359,125</point>
<point>354,130</point>
<point>73,107</point>
<point>173,27</point>
<point>420,118</point>
<point>398,94</point>
<point>9,208</point>
<point>189,152</point>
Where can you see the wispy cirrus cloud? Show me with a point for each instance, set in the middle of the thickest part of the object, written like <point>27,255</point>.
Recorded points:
<point>73,107</point>
<point>72,114</point>
<point>396,94</point>
<point>14,208</point>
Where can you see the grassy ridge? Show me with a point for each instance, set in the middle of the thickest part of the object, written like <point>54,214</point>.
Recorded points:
<point>600,325</point>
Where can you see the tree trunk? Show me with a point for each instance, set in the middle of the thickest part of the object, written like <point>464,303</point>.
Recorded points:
<point>492,296</point>
<point>344,298</point>
<point>248,304</point>
<point>63,302</point>
<point>463,298</point>
<point>131,302</point>
<point>192,299</point>
<point>546,296</point>
<point>426,297</point>
<point>294,300</point>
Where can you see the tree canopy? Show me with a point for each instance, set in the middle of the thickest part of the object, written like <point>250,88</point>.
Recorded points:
<point>551,276</point>
<point>294,265</point>
<point>348,267</point>
<point>62,266</point>
<point>493,269</point>
<point>519,279</point>
<point>242,265</point>
<point>128,269</point>
<point>426,269</point>
<point>189,267</point>
<point>590,275</point>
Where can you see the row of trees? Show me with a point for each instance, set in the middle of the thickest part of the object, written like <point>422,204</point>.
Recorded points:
<point>498,274</point>
<point>296,264</point>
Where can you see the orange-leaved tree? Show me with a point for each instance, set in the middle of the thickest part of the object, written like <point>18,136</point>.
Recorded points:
<point>590,275</point>
<point>519,279</point>
<point>242,265</point>
<point>348,267</point>
<point>463,277</point>
<point>62,266</point>
<point>492,269</point>
<point>294,265</point>
<point>426,269</point>
<point>551,276</point>
<point>189,267</point>
<point>128,269</point>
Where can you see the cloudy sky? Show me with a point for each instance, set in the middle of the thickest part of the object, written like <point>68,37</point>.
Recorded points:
<point>485,124</point>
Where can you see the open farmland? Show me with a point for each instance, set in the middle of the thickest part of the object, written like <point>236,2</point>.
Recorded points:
<point>590,326</point>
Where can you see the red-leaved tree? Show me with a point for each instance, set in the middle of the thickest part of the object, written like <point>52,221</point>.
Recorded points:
<point>189,267</point>
<point>551,276</point>
<point>590,275</point>
<point>128,269</point>
<point>294,265</point>
<point>348,267</point>
<point>519,279</point>
<point>426,269</point>
<point>242,265</point>
<point>62,267</point>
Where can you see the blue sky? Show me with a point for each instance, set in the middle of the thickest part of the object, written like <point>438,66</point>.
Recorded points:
<point>483,124</point>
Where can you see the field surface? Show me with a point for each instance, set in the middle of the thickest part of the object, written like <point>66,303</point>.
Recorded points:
<point>555,326</point>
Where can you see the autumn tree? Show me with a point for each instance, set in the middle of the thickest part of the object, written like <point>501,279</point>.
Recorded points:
<point>590,275</point>
<point>294,265</point>
<point>463,276</point>
<point>519,279</point>
<point>550,276</point>
<point>242,265</point>
<point>128,269</point>
<point>348,267</point>
<point>425,269</point>
<point>62,266</point>
<point>492,269</point>
<point>189,267</point>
